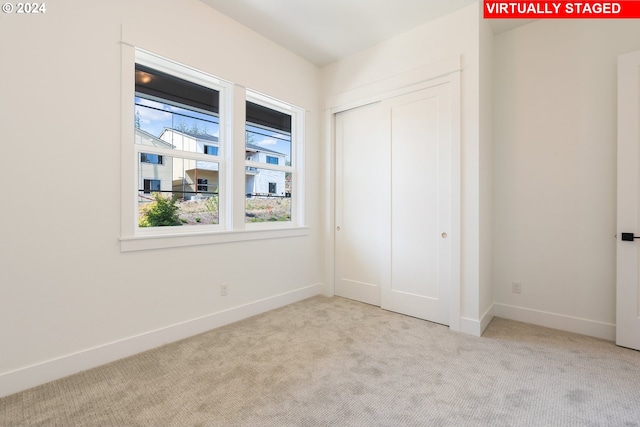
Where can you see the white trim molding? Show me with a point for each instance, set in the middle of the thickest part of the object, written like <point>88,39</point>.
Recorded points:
<point>395,85</point>
<point>562,322</point>
<point>31,376</point>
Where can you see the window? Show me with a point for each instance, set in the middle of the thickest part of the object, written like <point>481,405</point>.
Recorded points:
<point>155,159</point>
<point>151,185</point>
<point>211,150</point>
<point>180,117</point>
<point>186,163</point>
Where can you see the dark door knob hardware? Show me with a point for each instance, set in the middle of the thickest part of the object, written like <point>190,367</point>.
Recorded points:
<point>629,237</point>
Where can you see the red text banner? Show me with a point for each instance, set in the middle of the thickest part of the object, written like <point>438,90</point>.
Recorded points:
<point>625,9</point>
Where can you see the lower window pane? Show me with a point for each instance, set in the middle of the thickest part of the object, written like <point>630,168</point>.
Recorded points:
<point>268,195</point>
<point>177,192</point>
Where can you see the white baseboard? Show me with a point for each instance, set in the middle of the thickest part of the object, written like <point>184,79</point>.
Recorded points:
<point>486,319</point>
<point>34,375</point>
<point>577,325</point>
<point>476,327</point>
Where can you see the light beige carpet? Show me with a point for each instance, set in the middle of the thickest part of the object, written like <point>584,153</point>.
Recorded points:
<point>336,362</point>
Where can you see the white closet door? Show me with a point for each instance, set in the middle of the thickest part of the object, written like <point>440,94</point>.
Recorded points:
<point>419,134</point>
<point>360,165</point>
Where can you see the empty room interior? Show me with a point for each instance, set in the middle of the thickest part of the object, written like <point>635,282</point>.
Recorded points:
<point>409,158</point>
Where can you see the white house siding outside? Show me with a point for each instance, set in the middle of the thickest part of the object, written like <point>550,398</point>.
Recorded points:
<point>260,182</point>
<point>258,179</point>
<point>153,171</point>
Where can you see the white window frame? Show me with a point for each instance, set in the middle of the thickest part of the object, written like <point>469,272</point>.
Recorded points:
<point>229,229</point>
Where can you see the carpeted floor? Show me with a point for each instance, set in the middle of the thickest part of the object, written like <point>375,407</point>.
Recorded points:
<point>337,362</point>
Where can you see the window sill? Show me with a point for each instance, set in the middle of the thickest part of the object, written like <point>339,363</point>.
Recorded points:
<point>161,241</point>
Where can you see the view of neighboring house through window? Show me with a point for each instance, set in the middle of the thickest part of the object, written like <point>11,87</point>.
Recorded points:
<point>269,169</point>
<point>177,128</point>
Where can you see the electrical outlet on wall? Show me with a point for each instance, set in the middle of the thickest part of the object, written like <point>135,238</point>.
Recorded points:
<point>224,289</point>
<point>516,287</point>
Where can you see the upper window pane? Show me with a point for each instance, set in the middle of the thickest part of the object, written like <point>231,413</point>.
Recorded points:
<point>184,115</point>
<point>268,135</point>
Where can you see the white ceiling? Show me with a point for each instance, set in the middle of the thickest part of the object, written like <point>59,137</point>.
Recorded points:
<point>324,31</point>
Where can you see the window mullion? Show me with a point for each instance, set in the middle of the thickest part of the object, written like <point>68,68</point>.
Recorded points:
<point>298,178</point>
<point>238,158</point>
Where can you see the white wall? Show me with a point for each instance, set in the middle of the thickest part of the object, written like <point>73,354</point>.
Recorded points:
<point>555,171</point>
<point>70,298</point>
<point>452,35</point>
